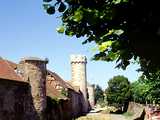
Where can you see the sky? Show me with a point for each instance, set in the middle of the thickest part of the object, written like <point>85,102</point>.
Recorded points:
<point>26,30</point>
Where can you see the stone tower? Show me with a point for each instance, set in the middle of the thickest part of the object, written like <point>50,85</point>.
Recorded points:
<point>79,77</point>
<point>91,95</point>
<point>34,70</point>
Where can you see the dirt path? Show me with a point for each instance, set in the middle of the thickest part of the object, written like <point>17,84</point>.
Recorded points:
<point>117,117</point>
<point>100,116</point>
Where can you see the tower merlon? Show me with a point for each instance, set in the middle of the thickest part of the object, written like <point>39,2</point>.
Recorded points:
<point>78,59</point>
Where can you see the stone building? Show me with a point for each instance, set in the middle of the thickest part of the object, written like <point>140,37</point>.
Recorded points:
<point>91,97</point>
<point>29,91</point>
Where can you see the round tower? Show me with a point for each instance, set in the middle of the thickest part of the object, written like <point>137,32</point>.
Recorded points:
<point>35,73</point>
<point>79,77</point>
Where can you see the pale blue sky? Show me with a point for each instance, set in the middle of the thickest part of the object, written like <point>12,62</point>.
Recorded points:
<point>26,30</point>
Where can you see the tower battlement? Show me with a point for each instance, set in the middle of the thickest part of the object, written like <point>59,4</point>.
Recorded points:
<point>78,59</point>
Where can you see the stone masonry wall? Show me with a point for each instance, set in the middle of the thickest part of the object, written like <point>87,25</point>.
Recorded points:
<point>137,110</point>
<point>67,109</point>
<point>27,100</point>
<point>16,101</point>
<point>35,72</point>
<point>91,96</point>
<point>76,103</point>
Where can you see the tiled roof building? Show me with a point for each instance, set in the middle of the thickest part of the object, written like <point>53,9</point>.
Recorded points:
<point>7,70</point>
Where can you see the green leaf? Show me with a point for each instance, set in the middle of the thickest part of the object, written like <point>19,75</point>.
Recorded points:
<point>69,33</point>
<point>118,32</point>
<point>78,15</point>
<point>105,45</point>
<point>117,1</point>
<point>58,0</point>
<point>62,7</point>
<point>51,10</point>
<point>112,55</point>
<point>60,29</point>
<point>47,0</point>
<point>46,6</point>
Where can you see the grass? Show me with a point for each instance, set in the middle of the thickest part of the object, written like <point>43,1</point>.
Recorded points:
<point>128,114</point>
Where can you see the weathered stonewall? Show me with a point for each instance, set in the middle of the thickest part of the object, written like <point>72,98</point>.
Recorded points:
<point>35,73</point>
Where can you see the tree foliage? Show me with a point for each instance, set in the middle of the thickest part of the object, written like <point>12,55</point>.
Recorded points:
<point>123,30</point>
<point>118,92</point>
<point>99,94</point>
<point>140,91</point>
<point>145,90</point>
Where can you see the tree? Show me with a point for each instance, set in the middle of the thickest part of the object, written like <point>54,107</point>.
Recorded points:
<point>124,30</point>
<point>118,92</point>
<point>99,94</point>
<point>140,91</point>
<point>153,89</point>
<point>145,90</point>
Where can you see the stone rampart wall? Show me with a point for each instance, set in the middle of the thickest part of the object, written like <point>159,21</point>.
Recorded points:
<point>65,109</point>
<point>16,101</point>
<point>138,111</point>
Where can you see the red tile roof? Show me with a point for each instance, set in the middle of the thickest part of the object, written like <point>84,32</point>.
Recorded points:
<point>54,93</point>
<point>7,71</point>
<point>57,80</point>
<point>12,64</point>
